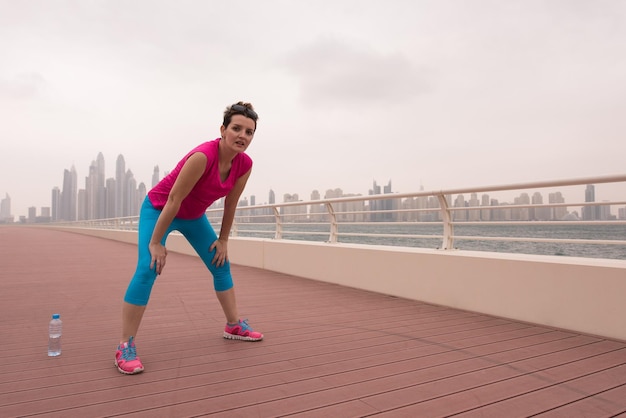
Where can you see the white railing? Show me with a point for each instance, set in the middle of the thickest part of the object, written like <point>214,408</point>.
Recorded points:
<point>436,219</point>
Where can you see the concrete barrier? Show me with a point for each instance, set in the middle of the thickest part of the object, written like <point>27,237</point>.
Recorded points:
<point>579,294</point>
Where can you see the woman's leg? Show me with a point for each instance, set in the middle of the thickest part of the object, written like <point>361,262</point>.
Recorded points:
<point>201,236</point>
<point>140,286</point>
<point>131,319</point>
<point>229,305</point>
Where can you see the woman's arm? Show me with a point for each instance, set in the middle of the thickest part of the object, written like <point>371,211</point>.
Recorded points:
<point>230,205</point>
<point>187,178</point>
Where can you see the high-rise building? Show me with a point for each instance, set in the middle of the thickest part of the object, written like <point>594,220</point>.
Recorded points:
<point>521,214</point>
<point>604,212</point>
<point>461,213</point>
<point>5,210</point>
<point>56,204</point>
<point>317,212</point>
<point>120,186</point>
<point>110,195</point>
<point>155,176</point>
<point>381,210</point>
<point>92,192</point>
<point>559,212</point>
<point>540,213</point>
<point>485,214</point>
<point>100,188</point>
<point>293,213</point>
<point>130,206</point>
<point>69,195</point>
<point>141,195</point>
<point>473,215</point>
<point>81,203</point>
<point>590,213</point>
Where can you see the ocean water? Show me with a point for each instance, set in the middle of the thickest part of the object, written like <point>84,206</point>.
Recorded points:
<point>320,233</point>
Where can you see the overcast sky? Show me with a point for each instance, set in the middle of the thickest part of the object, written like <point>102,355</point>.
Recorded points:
<point>439,93</point>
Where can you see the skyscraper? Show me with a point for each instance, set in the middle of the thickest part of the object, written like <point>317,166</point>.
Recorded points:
<point>5,209</point>
<point>69,195</point>
<point>56,204</point>
<point>120,192</point>
<point>130,206</point>
<point>590,213</point>
<point>91,192</point>
<point>378,206</point>
<point>155,176</point>
<point>100,187</point>
<point>111,187</point>
<point>557,213</point>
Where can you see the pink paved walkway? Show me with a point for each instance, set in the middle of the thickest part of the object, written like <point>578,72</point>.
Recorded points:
<point>329,351</point>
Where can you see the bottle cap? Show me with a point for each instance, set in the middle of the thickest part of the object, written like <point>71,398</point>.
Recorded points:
<point>56,316</point>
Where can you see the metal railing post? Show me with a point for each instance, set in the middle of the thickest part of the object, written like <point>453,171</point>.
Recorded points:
<point>334,228</point>
<point>279,225</point>
<point>448,227</point>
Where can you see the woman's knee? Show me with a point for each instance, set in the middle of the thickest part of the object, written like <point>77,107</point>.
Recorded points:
<point>222,280</point>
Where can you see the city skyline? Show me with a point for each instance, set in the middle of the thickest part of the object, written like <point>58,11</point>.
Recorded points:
<point>102,198</point>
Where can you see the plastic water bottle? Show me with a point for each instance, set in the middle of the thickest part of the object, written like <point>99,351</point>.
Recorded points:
<point>54,340</point>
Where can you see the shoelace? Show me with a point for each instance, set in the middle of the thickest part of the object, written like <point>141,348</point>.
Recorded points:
<point>130,352</point>
<point>244,325</point>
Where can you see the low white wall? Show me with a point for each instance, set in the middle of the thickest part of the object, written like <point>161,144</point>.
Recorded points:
<point>579,294</point>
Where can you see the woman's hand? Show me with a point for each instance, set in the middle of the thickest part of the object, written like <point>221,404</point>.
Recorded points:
<point>221,252</point>
<point>159,253</point>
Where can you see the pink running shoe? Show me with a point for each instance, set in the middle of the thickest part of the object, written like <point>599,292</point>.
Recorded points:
<point>241,331</point>
<point>126,359</point>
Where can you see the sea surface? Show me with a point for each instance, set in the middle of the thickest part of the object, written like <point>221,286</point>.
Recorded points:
<point>320,233</point>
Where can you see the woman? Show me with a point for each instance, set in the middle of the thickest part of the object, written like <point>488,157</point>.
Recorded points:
<point>178,202</point>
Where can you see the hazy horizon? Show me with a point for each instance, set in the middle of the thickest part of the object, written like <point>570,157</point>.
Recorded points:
<point>440,94</point>
<point>570,193</point>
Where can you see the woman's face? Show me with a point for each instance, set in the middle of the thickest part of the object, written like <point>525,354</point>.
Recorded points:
<point>239,133</point>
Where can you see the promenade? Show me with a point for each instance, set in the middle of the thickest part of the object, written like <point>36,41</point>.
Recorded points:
<point>328,351</point>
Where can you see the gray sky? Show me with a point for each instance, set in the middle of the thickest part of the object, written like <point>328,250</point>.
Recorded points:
<point>439,93</point>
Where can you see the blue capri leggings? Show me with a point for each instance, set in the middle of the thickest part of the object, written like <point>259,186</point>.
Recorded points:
<point>200,235</point>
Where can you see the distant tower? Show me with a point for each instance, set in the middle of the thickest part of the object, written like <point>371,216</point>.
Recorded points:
<point>272,197</point>
<point>155,176</point>
<point>557,213</point>
<point>111,187</point>
<point>100,211</point>
<point>141,195</point>
<point>91,192</point>
<point>5,209</point>
<point>120,177</point>
<point>56,203</point>
<point>69,195</point>
<point>382,205</point>
<point>590,193</point>
<point>130,206</point>
<point>590,212</point>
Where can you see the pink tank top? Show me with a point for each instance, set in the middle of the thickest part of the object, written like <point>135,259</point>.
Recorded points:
<point>209,187</point>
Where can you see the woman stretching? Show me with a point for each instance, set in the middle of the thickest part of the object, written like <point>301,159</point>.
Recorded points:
<point>207,173</point>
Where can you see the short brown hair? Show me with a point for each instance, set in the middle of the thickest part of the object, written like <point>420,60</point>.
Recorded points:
<point>240,108</point>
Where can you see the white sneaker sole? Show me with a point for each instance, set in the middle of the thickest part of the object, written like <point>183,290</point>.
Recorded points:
<point>136,371</point>
<point>240,337</point>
